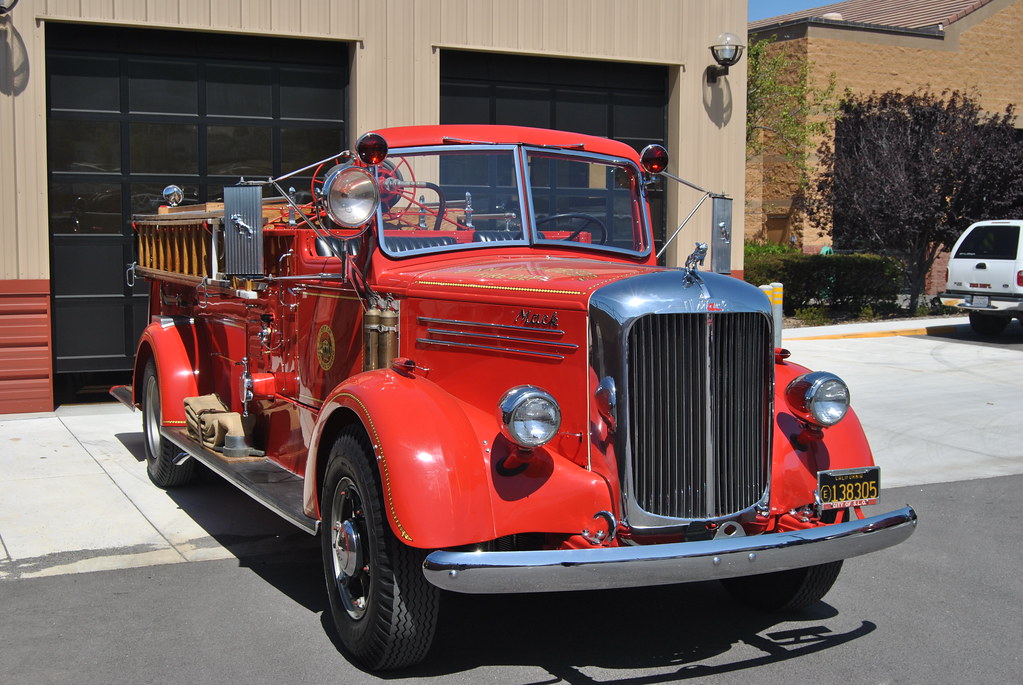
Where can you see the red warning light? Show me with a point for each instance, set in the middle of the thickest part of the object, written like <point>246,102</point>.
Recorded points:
<point>654,158</point>
<point>371,148</point>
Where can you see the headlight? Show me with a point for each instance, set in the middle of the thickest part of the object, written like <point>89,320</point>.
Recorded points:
<point>529,416</point>
<point>819,397</point>
<point>352,196</point>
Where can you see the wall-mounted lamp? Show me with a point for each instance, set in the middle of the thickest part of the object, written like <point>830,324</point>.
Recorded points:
<point>6,6</point>
<point>727,51</point>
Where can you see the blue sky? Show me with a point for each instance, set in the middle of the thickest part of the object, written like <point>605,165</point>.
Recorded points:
<point>762,9</point>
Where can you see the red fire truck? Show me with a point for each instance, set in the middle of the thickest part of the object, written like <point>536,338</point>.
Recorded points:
<point>457,361</point>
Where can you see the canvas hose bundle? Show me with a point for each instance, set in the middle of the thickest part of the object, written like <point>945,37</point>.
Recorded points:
<point>212,423</point>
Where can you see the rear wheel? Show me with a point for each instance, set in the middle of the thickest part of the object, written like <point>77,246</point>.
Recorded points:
<point>988,324</point>
<point>785,590</point>
<point>384,609</point>
<point>160,453</point>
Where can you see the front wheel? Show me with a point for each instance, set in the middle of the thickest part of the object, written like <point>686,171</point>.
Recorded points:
<point>160,453</point>
<point>988,324</point>
<point>384,609</point>
<point>785,590</point>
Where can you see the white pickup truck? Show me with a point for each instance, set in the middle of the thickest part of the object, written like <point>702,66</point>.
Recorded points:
<point>985,275</point>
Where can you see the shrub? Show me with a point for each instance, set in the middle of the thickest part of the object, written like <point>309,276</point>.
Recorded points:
<point>771,248</point>
<point>846,282</point>
<point>813,316</point>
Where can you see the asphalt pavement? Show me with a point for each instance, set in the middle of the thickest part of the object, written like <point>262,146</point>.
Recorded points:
<point>944,607</point>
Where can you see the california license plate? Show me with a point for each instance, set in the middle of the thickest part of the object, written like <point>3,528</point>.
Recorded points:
<point>981,301</point>
<point>843,488</point>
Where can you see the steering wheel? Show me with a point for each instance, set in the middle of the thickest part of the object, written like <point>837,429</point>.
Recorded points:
<point>587,219</point>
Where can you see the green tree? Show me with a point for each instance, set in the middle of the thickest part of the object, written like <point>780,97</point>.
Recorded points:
<point>785,112</point>
<point>905,174</point>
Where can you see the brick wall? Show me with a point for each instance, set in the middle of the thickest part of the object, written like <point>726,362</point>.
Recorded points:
<point>979,56</point>
<point>937,275</point>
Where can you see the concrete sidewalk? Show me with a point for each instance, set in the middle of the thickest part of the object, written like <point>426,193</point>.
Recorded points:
<point>74,495</point>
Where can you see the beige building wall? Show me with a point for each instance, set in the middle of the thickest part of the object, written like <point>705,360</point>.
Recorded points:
<point>977,54</point>
<point>395,48</point>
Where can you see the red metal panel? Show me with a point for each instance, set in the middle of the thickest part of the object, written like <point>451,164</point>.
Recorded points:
<point>24,363</point>
<point>24,330</point>
<point>25,353</point>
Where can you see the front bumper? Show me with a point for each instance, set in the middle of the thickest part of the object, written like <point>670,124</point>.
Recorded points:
<point>997,304</point>
<point>683,562</point>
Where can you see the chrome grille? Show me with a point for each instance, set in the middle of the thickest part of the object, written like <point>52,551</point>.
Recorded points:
<point>699,412</point>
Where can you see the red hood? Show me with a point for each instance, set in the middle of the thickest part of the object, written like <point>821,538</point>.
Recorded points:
<point>514,279</point>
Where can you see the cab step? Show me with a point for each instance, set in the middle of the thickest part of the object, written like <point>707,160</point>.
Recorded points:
<point>125,395</point>
<point>264,481</point>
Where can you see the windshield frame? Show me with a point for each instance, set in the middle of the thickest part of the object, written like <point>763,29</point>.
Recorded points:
<point>531,238</point>
<point>644,220</point>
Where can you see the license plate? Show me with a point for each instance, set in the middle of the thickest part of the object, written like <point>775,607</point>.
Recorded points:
<point>981,301</point>
<point>843,488</point>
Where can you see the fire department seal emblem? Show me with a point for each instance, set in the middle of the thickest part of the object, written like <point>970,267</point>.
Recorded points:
<point>325,347</point>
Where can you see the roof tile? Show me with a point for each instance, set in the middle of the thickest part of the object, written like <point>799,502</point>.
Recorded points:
<point>907,14</point>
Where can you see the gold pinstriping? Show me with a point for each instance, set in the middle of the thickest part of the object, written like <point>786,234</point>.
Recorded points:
<point>383,462</point>
<point>480,286</point>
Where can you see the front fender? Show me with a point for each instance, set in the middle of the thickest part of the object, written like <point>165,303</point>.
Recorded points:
<point>438,460</point>
<point>174,346</point>
<point>795,462</point>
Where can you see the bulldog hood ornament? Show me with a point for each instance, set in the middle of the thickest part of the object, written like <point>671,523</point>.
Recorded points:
<point>696,258</point>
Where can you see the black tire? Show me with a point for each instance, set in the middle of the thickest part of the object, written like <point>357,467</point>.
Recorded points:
<point>384,609</point>
<point>988,324</point>
<point>160,453</point>
<point>785,590</point>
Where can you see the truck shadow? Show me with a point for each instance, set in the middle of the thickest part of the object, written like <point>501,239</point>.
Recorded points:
<point>1012,336</point>
<point>694,630</point>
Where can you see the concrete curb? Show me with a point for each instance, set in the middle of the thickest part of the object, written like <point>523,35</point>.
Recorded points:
<point>881,329</point>
<point>931,330</point>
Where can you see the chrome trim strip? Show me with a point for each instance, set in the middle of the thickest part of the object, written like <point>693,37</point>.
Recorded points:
<point>681,562</point>
<point>550,343</point>
<point>450,343</point>
<point>1005,297</point>
<point>456,322</point>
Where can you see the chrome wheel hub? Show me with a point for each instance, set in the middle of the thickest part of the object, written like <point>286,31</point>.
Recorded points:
<point>351,572</point>
<point>347,555</point>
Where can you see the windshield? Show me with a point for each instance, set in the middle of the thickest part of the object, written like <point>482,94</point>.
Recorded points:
<point>472,198</point>
<point>579,199</point>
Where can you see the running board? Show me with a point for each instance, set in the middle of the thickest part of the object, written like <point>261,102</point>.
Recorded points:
<point>124,395</point>
<point>264,481</point>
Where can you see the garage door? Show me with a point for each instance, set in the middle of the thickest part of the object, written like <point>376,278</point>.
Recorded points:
<point>130,111</point>
<point>627,102</point>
